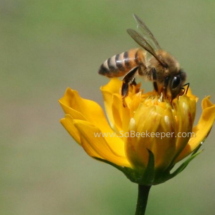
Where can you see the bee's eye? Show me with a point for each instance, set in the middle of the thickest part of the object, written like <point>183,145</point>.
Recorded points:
<point>175,82</point>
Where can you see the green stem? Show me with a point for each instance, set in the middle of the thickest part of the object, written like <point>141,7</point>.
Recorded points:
<point>143,192</point>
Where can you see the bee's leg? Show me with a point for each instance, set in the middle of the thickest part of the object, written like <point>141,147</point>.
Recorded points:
<point>165,84</point>
<point>188,85</point>
<point>127,80</point>
<point>184,92</point>
<point>154,78</point>
<point>134,82</point>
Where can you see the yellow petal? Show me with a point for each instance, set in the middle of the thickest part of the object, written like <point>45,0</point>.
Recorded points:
<point>114,142</point>
<point>165,145</point>
<point>118,115</point>
<point>185,113</point>
<point>68,124</point>
<point>113,87</point>
<point>191,96</point>
<point>89,149</point>
<point>206,103</point>
<point>133,102</point>
<point>202,129</point>
<point>90,111</point>
<point>92,136</point>
<point>121,114</point>
<point>160,120</point>
<point>80,108</point>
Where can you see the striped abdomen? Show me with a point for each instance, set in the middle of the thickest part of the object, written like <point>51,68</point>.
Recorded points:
<point>121,64</point>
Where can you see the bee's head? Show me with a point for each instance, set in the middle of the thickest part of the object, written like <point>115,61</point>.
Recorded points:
<point>174,84</point>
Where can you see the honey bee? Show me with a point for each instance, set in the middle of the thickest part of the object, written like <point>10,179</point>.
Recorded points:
<point>161,68</point>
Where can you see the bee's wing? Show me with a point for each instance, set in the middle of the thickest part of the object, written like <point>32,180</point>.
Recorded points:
<point>143,43</point>
<point>146,33</point>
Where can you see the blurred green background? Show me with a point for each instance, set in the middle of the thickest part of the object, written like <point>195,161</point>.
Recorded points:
<point>47,46</point>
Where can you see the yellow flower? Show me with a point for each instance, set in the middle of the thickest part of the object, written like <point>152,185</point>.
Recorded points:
<point>146,138</point>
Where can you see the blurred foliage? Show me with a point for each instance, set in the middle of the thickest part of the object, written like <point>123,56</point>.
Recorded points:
<point>49,45</point>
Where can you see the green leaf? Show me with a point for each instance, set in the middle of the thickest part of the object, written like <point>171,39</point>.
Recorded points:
<point>149,173</point>
<point>184,165</point>
<point>197,149</point>
<point>112,164</point>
